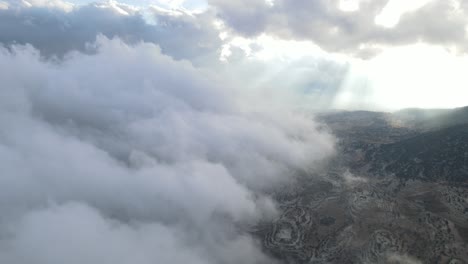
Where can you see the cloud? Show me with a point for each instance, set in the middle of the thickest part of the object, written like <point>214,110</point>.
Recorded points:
<point>402,259</point>
<point>129,156</point>
<point>352,180</point>
<point>54,4</point>
<point>194,36</point>
<point>77,233</point>
<point>338,30</point>
<point>55,27</point>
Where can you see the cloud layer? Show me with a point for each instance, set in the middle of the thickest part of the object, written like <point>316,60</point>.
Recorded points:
<point>129,156</point>
<point>55,27</point>
<point>354,32</point>
<point>194,35</point>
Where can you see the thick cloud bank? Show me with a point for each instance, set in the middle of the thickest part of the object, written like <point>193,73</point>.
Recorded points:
<point>128,156</point>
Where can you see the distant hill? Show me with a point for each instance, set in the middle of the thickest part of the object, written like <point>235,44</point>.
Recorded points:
<point>427,144</point>
<point>437,155</point>
<point>365,126</point>
<point>397,187</point>
<point>430,119</point>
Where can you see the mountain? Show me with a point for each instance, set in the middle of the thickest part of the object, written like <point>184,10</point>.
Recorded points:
<point>432,119</point>
<point>425,144</point>
<point>396,192</point>
<point>440,155</point>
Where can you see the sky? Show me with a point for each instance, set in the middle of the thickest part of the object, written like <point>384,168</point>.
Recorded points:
<point>155,131</point>
<point>394,56</point>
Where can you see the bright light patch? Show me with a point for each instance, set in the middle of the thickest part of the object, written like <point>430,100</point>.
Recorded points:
<point>390,15</point>
<point>420,76</point>
<point>64,5</point>
<point>3,5</point>
<point>349,5</point>
<point>191,5</point>
<point>270,2</point>
<point>268,48</point>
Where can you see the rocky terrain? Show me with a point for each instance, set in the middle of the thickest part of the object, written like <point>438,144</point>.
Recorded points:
<point>397,192</point>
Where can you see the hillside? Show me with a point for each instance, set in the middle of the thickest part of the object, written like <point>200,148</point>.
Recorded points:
<point>437,155</point>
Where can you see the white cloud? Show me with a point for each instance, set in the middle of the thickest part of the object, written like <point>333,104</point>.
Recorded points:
<point>349,5</point>
<point>54,4</point>
<point>352,180</point>
<point>391,13</point>
<point>130,156</point>
<point>402,259</point>
<point>4,5</point>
